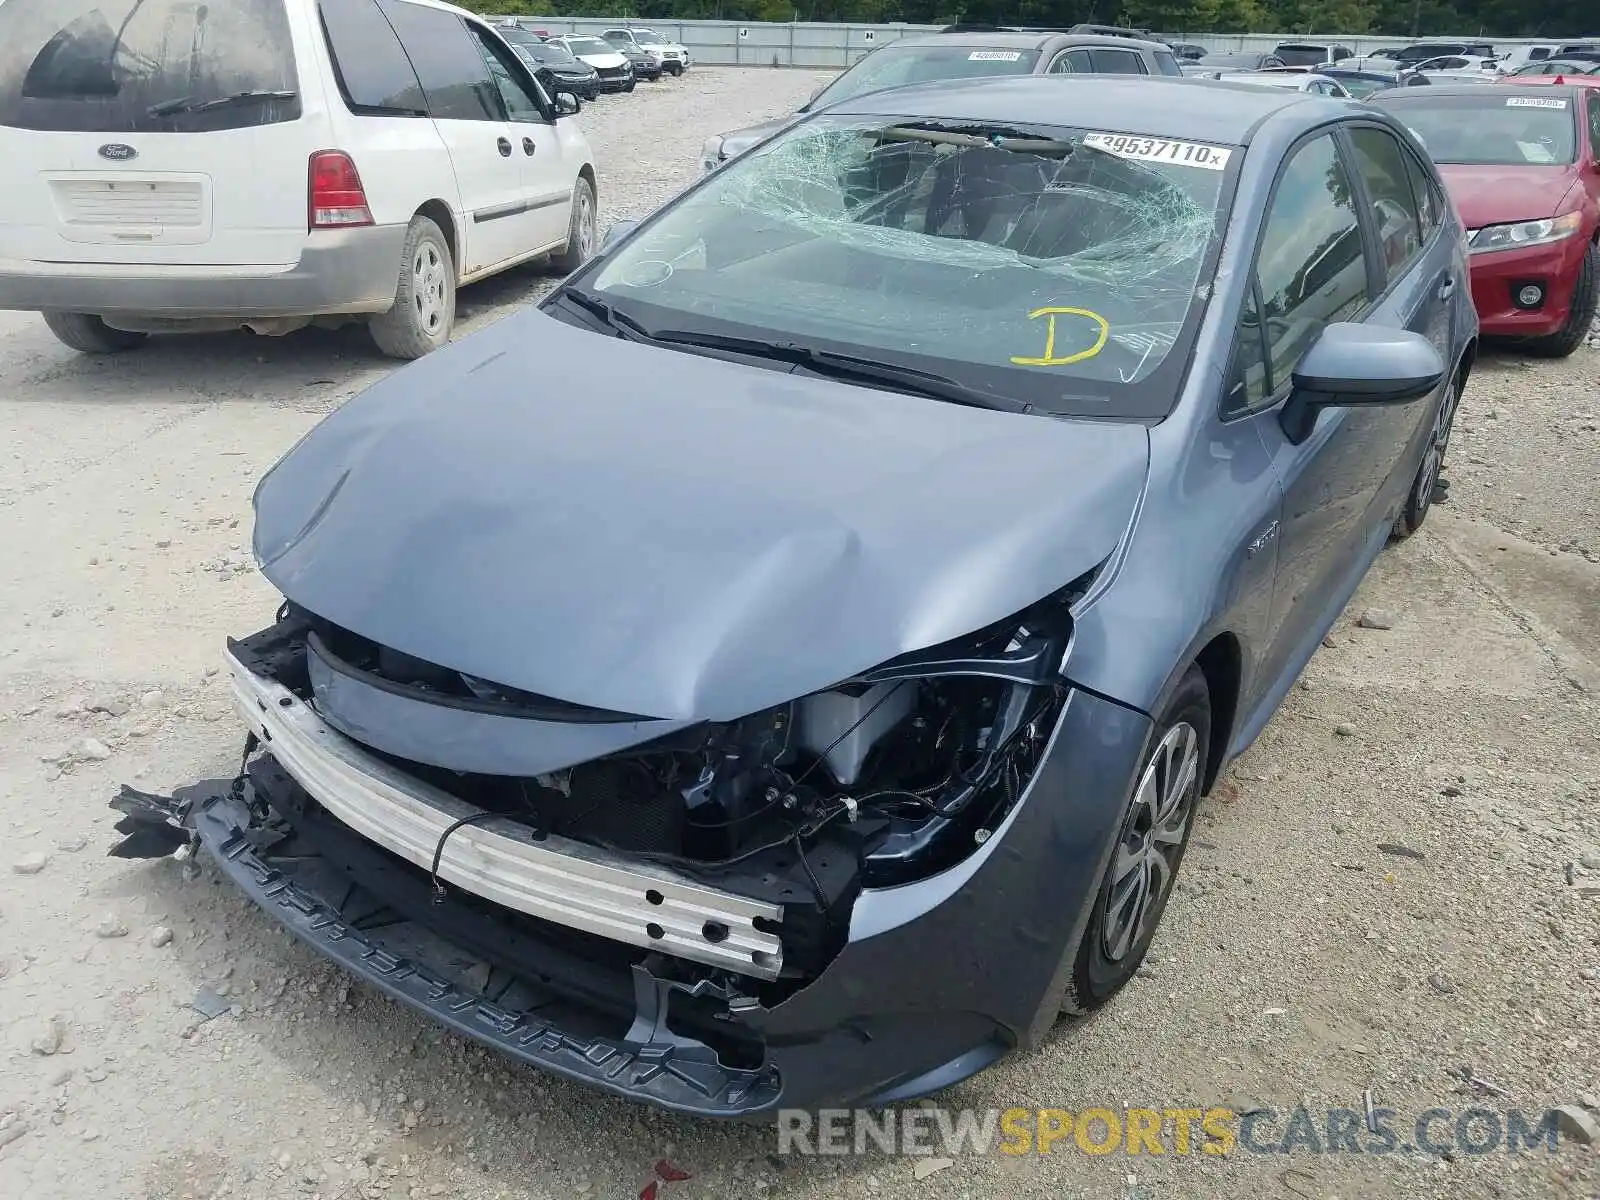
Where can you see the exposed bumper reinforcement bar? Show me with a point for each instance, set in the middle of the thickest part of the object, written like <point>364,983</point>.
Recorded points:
<point>544,876</point>
<point>648,1063</point>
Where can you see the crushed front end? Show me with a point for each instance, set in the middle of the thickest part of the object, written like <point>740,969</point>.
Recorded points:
<point>860,896</point>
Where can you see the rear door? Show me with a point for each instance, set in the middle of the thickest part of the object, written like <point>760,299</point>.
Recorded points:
<point>166,132</point>
<point>469,115</point>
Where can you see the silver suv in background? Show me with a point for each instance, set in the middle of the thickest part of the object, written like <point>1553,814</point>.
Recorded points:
<point>673,56</point>
<point>963,53</point>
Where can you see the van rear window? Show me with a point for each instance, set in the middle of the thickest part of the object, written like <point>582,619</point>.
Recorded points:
<point>132,66</point>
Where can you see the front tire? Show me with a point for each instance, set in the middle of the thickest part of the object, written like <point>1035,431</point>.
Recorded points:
<point>630,85</point>
<point>1152,839</point>
<point>1585,300</point>
<point>424,309</point>
<point>1425,484</point>
<point>581,230</point>
<point>88,334</point>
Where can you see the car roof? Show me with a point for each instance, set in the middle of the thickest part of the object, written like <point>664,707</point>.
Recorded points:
<point>1169,106</point>
<point>1501,90</point>
<point>1012,39</point>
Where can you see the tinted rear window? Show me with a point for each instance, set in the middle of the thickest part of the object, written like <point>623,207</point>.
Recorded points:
<point>448,62</point>
<point>895,66</point>
<point>129,66</point>
<point>1301,56</point>
<point>372,69</point>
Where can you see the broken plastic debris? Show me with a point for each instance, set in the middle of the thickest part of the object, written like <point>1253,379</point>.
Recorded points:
<point>208,1004</point>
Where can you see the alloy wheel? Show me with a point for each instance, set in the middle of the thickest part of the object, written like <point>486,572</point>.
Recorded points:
<point>428,287</point>
<point>586,222</point>
<point>1152,839</point>
<point>1438,443</point>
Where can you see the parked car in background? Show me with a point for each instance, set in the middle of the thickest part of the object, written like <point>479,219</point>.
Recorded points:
<point>1251,60</point>
<point>1523,166</point>
<point>334,161</point>
<point>532,696</point>
<point>551,63</point>
<point>610,64</point>
<point>1457,68</point>
<point>1363,82</point>
<point>673,56</point>
<point>1310,82</point>
<point>965,54</point>
<point>1185,52</point>
<point>1418,53</point>
<point>1310,54</point>
<point>645,66</point>
<point>1521,56</point>
<point>1551,67</point>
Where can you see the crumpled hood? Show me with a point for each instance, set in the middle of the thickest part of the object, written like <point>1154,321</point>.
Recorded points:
<point>671,535</point>
<point>1491,195</point>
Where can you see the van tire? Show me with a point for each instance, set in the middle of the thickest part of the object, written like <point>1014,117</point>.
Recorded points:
<point>88,334</point>
<point>581,237</point>
<point>425,297</point>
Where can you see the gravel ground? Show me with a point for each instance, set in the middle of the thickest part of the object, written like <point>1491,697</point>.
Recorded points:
<point>1301,961</point>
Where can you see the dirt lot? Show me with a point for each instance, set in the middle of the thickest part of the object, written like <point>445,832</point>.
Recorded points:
<point>1301,962</point>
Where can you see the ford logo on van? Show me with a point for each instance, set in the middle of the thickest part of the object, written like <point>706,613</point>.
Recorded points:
<point>117,152</point>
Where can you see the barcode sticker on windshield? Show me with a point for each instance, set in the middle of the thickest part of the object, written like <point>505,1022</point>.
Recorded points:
<point>1146,149</point>
<point>1534,102</point>
<point>994,56</point>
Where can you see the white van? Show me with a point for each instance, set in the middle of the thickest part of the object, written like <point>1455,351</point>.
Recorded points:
<point>185,165</point>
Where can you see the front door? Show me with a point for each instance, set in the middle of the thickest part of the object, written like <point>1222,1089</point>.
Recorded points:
<point>1311,270</point>
<point>546,175</point>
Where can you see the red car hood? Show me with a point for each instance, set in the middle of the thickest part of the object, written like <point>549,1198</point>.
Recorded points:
<point>1498,195</point>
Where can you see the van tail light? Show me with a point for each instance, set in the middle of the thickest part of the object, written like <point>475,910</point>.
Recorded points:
<point>336,199</point>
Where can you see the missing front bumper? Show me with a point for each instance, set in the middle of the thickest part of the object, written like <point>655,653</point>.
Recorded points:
<point>544,876</point>
<point>373,934</point>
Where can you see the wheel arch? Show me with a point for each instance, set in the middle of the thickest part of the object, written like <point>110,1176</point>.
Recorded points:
<point>587,172</point>
<point>440,214</point>
<point>1221,662</point>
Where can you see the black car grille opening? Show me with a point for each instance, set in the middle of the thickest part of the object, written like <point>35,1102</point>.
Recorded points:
<point>394,670</point>
<point>612,72</point>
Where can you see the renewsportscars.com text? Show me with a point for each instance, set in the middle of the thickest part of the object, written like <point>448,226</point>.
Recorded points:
<point>1437,1132</point>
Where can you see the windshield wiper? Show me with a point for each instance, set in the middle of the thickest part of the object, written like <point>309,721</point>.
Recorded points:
<point>846,367</point>
<point>188,104</point>
<point>625,326</point>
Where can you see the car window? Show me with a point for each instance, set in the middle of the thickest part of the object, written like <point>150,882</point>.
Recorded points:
<point>1310,267</point>
<point>137,66</point>
<point>1061,64</point>
<point>453,72</point>
<point>1430,201</point>
<point>520,103</point>
<point>1079,62</point>
<point>1166,63</point>
<point>371,68</point>
<point>1248,388</point>
<point>1594,126</point>
<point>895,66</point>
<point>1116,62</point>
<point>1381,163</point>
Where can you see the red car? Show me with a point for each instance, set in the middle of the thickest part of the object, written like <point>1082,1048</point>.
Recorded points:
<point>1522,164</point>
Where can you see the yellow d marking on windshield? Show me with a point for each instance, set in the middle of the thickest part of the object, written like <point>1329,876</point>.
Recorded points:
<point>1048,358</point>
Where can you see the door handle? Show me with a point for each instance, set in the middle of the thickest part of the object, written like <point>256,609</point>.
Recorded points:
<point>505,147</point>
<point>1447,287</point>
<point>528,146</point>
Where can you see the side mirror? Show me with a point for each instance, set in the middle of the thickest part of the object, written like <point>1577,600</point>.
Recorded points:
<point>567,104</point>
<point>616,233</point>
<point>1352,364</point>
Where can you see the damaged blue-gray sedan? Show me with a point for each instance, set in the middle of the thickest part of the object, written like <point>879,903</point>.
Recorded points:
<point>782,667</point>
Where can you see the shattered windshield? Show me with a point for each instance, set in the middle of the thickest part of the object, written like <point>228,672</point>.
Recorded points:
<point>646,37</point>
<point>1059,267</point>
<point>1492,130</point>
<point>897,67</point>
